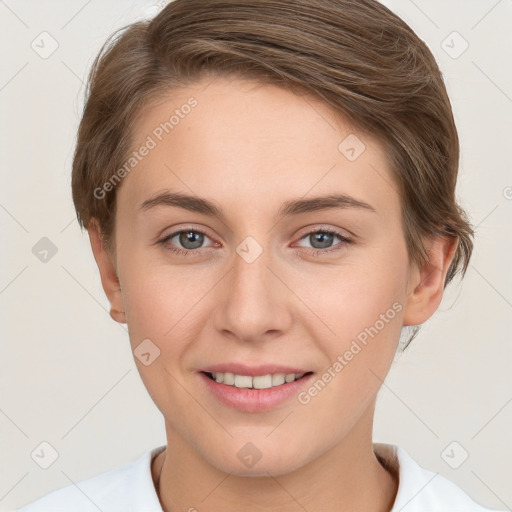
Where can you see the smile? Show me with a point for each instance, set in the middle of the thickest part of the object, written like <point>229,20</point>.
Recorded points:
<point>256,393</point>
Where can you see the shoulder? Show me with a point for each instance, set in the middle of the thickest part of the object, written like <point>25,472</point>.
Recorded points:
<point>116,490</point>
<point>421,490</point>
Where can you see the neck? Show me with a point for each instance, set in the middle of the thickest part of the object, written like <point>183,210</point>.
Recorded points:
<point>347,477</point>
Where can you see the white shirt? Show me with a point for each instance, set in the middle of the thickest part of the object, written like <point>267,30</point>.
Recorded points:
<point>130,488</point>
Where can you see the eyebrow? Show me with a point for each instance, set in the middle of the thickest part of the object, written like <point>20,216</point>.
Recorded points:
<point>288,208</point>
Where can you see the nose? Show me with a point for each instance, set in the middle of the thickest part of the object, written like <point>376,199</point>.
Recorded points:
<point>253,301</point>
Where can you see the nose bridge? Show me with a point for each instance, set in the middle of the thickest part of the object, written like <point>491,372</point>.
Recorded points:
<point>251,301</point>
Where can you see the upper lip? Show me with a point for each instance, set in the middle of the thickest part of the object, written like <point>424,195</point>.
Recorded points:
<point>253,371</point>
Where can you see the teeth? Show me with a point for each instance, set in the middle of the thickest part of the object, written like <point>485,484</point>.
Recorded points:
<point>258,382</point>
<point>278,379</point>
<point>243,381</point>
<point>229,378</point>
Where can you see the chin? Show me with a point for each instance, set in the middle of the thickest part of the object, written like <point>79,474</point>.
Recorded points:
<point>257,458</point>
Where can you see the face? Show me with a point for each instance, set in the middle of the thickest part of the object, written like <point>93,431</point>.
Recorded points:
<point>255,275</point>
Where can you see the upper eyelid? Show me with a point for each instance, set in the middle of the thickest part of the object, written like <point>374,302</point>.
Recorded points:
<point>335,231</point>
<point>170,236</point>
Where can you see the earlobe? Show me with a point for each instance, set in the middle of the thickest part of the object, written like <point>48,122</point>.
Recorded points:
<point>108,273</point>
<point>426,285</point>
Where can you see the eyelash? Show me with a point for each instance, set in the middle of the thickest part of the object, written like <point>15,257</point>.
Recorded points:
<point>314,252</point>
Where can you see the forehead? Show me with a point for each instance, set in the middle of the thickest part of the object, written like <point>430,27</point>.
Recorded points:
<point>253,141</point>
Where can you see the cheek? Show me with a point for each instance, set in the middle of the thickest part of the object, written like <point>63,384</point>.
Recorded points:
<point>358,315</point>
<point>163,301</point>
<point>162,306</point>
<point>352,296</point>
<point>363,312</point>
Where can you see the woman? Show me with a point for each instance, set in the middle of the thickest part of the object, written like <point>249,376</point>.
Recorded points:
<point>269,191</point>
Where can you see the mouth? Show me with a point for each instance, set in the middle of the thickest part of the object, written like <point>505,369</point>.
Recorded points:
<point>254,393</point>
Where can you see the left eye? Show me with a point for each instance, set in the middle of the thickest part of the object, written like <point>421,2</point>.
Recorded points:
<point>323,239</point>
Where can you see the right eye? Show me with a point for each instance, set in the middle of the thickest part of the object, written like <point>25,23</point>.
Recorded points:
<point>189,239</point>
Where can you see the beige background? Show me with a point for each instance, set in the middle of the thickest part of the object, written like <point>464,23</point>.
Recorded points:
<point>67,376</point>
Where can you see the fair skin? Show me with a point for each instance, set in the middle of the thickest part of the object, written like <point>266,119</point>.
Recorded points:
<point>249,148</point>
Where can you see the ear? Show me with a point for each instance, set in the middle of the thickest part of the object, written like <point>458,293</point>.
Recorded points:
<point>108,273</point>
<point>426,284</point>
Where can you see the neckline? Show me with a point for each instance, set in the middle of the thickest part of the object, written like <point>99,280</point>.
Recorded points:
<point>386,455</point>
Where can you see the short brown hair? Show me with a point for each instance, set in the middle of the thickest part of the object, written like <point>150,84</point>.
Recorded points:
<point>357,56</point>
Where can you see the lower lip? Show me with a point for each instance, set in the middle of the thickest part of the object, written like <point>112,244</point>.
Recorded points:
<point>254,400</point>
